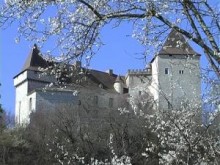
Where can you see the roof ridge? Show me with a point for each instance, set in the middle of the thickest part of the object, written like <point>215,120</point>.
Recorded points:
<point>34,59</point>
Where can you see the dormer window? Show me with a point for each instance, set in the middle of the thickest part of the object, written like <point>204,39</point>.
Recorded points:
<point>166,70</point>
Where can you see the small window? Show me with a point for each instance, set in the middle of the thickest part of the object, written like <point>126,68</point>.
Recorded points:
<point>110,102</point>
<point>96,100</point>
<point>180,71</point>
<point>166,71</point>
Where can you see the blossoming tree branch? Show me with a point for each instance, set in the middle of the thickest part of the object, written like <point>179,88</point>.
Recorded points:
<point>77,23</point>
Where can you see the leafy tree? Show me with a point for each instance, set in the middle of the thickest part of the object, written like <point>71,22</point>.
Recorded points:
<point>135,135</point>
<point>77,23</point>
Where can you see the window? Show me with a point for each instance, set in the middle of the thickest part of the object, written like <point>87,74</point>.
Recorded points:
<point>30,104</point>
<point>96,100</point>
<point>166,71</point>
<point>180,71</point>
<point>110,102</point>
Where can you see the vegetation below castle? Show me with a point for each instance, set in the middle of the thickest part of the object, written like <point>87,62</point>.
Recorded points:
<point>135,135</point>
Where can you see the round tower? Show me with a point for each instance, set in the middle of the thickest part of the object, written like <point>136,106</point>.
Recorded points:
<point>118,85</point>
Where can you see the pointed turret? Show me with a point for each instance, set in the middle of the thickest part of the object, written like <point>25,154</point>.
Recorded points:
<point>34,60</point>
<point>118,79</point>
<point>176,44</point>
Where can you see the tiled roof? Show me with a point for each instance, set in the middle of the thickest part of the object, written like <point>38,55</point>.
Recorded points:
<point>95,78</point>
<point>176,44</point>
<point>34,60</point>
<point>99,77</point>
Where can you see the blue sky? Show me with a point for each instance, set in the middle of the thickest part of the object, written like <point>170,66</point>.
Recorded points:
<point>119,53</point>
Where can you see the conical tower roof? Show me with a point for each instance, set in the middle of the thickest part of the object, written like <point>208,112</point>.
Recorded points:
<point>34,60</point>
<point>118,79</point>
<point>176,44</point>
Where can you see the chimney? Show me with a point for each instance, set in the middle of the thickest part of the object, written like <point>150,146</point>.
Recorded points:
<point>110,72</point>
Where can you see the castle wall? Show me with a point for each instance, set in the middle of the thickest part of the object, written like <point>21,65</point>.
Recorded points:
<point>52,99</point>
<point>58,98</point>
<point>154,87</point>
<point>20,100</point>
<point>99,97</point>
<point>21,92</point>
<point>138,81</point>
<point>25,84</point>
<point>20,78</point>
<point>24,108</point>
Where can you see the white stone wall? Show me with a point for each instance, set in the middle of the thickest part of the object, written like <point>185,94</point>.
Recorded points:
<point>23,107</point>
<point>21,86</point>
<point>87,96</point>
<point>20,78</point>
<point>138,83</point>
<point>154,86</point>
<point>52,99</point>
<point>177,87</point>
<point>25,83</point>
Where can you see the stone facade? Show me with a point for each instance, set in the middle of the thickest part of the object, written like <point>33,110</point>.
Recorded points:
<point>177,80</point>
<point>172,79</point>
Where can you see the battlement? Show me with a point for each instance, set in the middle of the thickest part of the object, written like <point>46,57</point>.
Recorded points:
<point>139,72</point>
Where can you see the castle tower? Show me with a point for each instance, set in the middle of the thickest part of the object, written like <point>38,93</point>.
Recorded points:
<point>118,85</point>
<point>25,82</point>
<point>176,74</point>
